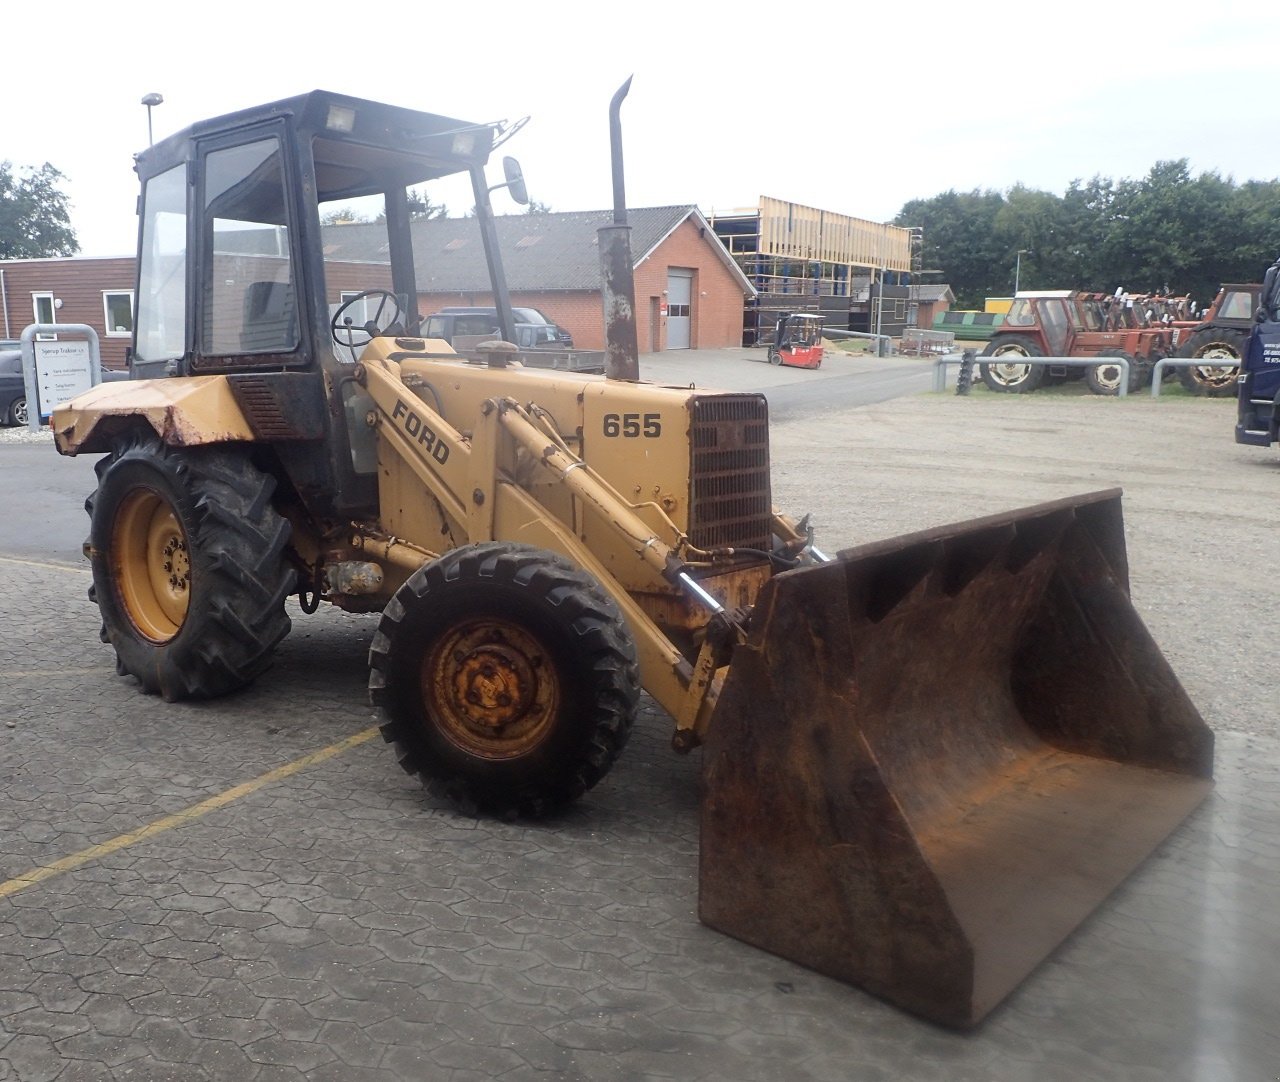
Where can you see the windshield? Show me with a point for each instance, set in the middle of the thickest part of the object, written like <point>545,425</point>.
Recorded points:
<point>1021,314</point>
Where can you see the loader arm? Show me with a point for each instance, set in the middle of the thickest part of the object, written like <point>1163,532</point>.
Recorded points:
<point>496,508</point>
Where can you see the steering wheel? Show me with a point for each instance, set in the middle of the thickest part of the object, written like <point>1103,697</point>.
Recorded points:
<point>346,332</point>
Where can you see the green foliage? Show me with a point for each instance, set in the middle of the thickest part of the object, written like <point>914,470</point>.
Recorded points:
<point>34,218</point>
<point>1166,232</point>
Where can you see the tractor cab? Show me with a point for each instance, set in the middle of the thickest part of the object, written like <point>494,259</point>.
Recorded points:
<point>248,275</point>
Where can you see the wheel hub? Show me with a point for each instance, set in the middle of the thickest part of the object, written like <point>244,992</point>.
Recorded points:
<point>489,686</point>
<point>151,565</point>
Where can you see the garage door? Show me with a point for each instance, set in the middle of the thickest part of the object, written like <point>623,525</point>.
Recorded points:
<point>679,297</point>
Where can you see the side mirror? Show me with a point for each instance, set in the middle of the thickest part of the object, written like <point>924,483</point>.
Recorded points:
<point>515,181</point>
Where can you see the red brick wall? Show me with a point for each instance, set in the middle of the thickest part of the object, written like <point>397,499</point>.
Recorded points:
<point>716,318</point>
<point>717,303</point>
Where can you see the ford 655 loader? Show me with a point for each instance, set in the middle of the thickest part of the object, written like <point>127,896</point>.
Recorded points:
<point>926,760</point>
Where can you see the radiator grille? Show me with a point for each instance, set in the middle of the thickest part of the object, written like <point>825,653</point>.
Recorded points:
<point>729,499</point>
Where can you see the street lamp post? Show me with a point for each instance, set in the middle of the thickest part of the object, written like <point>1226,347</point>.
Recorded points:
<point>150,100</point>
<point>1017,270</point>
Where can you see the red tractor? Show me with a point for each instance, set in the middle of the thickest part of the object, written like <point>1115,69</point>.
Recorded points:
<point>1218,339</point>
<point>1064,323</point>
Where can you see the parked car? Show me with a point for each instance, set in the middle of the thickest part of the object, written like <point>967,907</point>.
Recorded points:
<point>531,316</point>
<point>13,389</point>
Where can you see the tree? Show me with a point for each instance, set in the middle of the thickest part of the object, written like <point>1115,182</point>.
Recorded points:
<point>34,219</point>
<point>1169,231</point>
<point>421,208</point>
<point>960,240</point>
<point>535,207</point>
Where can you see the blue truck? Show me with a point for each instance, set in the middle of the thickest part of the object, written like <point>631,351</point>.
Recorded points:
<point>1258,391</point>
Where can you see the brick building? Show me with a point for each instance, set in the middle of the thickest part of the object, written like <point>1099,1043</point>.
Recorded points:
<point>76,289</point>
<point>689,292</point>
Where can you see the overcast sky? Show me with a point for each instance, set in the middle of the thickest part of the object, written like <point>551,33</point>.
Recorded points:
<point>851,107</point>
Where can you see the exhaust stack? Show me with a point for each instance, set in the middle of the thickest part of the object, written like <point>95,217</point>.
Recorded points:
<point>617,279</point>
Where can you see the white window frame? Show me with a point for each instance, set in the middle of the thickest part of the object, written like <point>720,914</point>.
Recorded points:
<point>36,298</point>
<point>106,313</point>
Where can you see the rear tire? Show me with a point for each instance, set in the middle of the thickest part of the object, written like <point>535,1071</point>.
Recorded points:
<point>189,570</point>
<point>508,678</point>
<point>1005,375</point>
<point>1222,351</point>
<point>18,412</point>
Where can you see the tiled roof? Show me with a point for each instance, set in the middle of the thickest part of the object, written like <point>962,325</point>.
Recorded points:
<point>548,251</point>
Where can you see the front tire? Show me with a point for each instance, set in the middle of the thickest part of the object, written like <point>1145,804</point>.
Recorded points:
<point>1222,351</point>
<point>18,412</point>
<point>188,566</point>
<point>1003,373</point>
<point>1105,378</point>
<point>508,679</point>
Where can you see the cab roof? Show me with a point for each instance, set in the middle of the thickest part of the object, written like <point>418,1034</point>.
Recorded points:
<point>354,138</point>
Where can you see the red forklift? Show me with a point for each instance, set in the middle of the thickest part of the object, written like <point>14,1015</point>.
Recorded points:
<point>797,340</point>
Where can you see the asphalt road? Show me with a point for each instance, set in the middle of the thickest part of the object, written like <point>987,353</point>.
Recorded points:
<point>42,493</point>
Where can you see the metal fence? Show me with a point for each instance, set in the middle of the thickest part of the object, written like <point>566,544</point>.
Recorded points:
<point>940,365</point>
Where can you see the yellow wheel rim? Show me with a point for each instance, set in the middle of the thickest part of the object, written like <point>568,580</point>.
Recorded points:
<point>491,688</point>
<point>151,565</point>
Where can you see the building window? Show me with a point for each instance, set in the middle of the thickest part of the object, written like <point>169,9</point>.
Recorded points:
<point>117,313</point>
<point>42,306</point>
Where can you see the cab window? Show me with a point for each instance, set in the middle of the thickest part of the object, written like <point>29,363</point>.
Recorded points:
<point>249,303</point>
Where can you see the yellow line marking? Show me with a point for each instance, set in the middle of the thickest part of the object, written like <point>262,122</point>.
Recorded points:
<point>187,815</point>
<point>47,566</point>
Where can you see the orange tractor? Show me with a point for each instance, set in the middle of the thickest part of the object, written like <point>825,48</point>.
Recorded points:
<point>1066,323</point>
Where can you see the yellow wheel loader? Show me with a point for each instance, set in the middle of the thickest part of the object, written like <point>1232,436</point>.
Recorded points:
<point>926,760</point>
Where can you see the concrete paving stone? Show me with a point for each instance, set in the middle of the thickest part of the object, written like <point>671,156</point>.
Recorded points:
<point>232,917</point>
<point>220,1028</point>
<point>397,948</point>
<point>168,1040</point>
<point>303,1055</point>
<point>77,1070</point>
<point>175,947</point>
<point>579,980</point>
<point>281,935</point>
<point>396,1034</point>
<point>351,1044</point>
<point>554,951</point>
<point>484,1059</point>
<point>45,1023</point>
<point>70,965</point>
<point>360,1012</point>
<point>238,944</point>
<point>112,1016</point>
<point>275,1072</point>
<point>16,973</point>
<point>289,1020</point>
<point>288,989</point>
<point>168,1005</point>
<point>346,1072</point>
<point>178,977</point>
<point>232,998</point>
<point>111,1050</point>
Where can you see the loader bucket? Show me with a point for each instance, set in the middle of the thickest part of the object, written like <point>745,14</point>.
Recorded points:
<point>936,755</point>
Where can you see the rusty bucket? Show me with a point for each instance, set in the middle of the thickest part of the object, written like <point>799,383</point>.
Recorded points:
<point>936,755</point>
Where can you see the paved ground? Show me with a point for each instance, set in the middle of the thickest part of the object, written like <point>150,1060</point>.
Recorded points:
<point>326,920</point>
